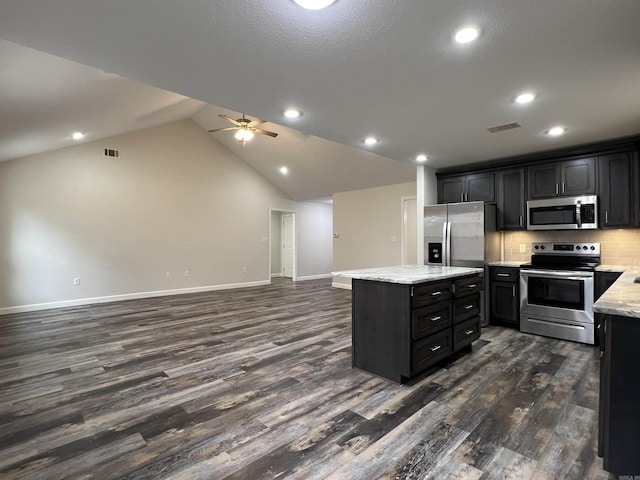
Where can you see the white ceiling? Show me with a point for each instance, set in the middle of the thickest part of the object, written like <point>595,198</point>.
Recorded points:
<point>382,67</point>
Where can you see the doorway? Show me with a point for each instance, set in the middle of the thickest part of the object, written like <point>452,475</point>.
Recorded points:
<point>282,258</point>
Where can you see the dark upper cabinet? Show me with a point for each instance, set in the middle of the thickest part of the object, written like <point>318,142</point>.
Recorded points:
<point>571,177</point>
<point>510,200</point>
<point>467,188</point>
<point>616,174</point>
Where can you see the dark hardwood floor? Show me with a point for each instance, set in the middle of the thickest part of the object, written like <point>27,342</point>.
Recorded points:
<point>257,383</point>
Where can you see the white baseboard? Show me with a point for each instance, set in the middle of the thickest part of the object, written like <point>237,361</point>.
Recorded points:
<point>276,275</point>
<point>127,296</point>
<point>341,285</point>
<point>313,277</point>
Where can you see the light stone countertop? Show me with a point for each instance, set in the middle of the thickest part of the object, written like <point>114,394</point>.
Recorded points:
<point>622,298</point>
<point>612,268</point>
<point>508,263</point>
<point>407,274</point>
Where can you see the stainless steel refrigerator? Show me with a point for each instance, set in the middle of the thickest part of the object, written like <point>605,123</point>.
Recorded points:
<point>462,235</point>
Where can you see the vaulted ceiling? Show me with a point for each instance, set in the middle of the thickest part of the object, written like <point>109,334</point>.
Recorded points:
<point>385,68</point>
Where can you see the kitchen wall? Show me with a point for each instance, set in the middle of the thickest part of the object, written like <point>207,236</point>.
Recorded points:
<point>618,247</point>
<point>368,225</point>
<point>176,212</point>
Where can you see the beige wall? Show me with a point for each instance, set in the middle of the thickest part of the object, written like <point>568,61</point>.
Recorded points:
<point>175,200</point>
<point>618,247</point>
<point>366,220</point>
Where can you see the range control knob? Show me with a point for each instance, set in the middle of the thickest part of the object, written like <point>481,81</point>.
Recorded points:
<point>577,247</point>
<point>585,247</point>
<point>592,247</point>
<point>541,247</point>
<point>536,247</point>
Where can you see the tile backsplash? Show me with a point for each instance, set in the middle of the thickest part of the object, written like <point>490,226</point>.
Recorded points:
<point>617,247</point>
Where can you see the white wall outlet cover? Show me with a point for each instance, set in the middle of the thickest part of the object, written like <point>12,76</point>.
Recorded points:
<point>523,248</point>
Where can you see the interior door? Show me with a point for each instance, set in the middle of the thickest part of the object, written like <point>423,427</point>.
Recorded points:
<point>409,232</point>
<point>288,246</point>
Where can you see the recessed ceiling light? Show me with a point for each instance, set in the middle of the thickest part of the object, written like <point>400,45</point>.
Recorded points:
<point>371,140</point>
<point>421,158</point>
<point>284,170</point>
<point>526,97</point>
<point>314,4</point>
<point>292,113</point>
<point>466,34</point>
<point>77,135</point>
<point>556,131</point>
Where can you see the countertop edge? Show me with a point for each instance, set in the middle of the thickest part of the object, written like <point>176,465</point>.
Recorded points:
<point>407,275</point>
<point>622,298</point>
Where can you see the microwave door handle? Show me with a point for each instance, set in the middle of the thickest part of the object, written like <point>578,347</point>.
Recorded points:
<point>578,214</point>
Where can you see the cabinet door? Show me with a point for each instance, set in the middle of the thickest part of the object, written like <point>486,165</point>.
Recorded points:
<point>505,308</point>
<point>615,191</point>
<point>481,187</point>
<point>511,200</point>
<point>578,177</point>
<point>544,181</point>
<point>451,190</point>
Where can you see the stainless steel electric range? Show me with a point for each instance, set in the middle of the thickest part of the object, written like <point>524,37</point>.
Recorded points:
<point>556,291</point>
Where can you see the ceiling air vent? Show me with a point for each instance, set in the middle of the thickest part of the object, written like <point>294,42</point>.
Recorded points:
<point>110,152</point>
<point>502,128</point>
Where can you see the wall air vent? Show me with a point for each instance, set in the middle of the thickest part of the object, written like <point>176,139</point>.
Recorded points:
<point>502,128</point>
<point>110,152</point>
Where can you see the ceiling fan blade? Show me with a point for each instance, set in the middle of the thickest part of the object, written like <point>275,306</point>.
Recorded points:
<point>222,129</point>
<point>264,132</point>
<point>256,122</point>
<point>229,119</point>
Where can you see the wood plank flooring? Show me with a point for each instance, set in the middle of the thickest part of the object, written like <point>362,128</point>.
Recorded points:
<point>257,383</point>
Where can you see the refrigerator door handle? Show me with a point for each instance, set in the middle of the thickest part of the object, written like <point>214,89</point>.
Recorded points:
<point>445,246</point>
<point>448,240</point>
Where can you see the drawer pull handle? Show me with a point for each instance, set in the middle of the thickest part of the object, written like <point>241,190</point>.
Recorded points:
<point>468,307</point>
<point>468,332</point>
<point>436,348</point>
<point>472,286</point>
<point>435,319</point>
<point>433,294</point>
<point>504,275</point>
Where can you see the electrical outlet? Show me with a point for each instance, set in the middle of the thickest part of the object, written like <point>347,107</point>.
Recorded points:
<point>186,273</point>
<point>523,248</point>
<point>76,282</point>
<point>393,239</point>
<point>167,275</point>
<point>244,269</point>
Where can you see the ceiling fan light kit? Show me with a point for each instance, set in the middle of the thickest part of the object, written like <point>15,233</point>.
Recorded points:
<point>246,129</point>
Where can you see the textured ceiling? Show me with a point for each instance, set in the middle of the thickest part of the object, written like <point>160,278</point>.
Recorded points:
<point>383,67</point>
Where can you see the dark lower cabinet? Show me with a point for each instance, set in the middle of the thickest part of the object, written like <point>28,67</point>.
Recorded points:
<point>619,416</point>
<point>504,301</point>
<point>401,330</point>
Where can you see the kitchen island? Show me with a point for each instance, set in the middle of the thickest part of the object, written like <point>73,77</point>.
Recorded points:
<point>406,319</point>
<point>619,416</point>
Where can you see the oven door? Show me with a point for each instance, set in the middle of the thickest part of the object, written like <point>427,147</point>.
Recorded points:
<point>559,294</point>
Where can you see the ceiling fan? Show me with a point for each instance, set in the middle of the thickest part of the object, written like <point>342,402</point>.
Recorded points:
<point>245,128</point>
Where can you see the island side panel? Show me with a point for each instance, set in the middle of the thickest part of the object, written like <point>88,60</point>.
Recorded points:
<point>381,336</point>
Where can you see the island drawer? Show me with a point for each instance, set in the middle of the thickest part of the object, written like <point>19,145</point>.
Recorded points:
<point>430,293</point>
<point>430,350</point>
<point>467,286</point>
<point>466,332</point>
<point>466,307</point>
<point>504,274</point>
<point>428,320</point>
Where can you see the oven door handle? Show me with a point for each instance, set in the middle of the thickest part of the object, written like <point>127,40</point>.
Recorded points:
<point>569,275</point>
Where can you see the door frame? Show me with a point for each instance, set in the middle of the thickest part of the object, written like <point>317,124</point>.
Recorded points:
<point>294,276</point>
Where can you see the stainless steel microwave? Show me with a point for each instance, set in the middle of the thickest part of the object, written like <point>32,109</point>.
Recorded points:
<point>563,213</point>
